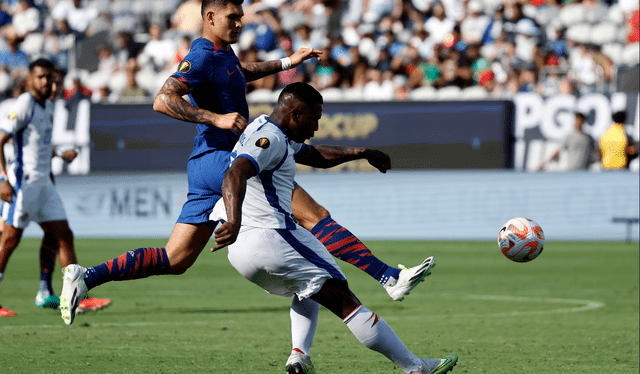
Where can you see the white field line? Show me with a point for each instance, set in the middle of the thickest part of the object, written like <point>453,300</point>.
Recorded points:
<point>581,305</point>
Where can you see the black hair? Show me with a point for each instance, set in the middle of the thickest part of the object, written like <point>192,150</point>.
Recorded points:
<point>303,92</point>
<point>619,117</point>
<point>581,115</point>
<point>43,63</point>
<point>218,3</point>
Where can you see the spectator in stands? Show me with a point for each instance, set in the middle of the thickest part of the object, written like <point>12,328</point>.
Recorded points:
<point>25,19</point>
<point>58,41</point>
<point>427,72</point>
<point>378,87</point>
<point>512,15</point>
<point>479,63</point>
<point>616,147</point>
<point>78,90</point>
<point>495,28</point>
<point>375,10</point>
<point>583,69</point>
<point>526,43</point>
<point>187,19</point>
<point>159,52</point>
<point>132,91</point>
<point>77,14</point>
<point>296,74</point>
<point>633,28</point>
<point>126,48</point>
<point>439,25</point>
<point>578,149</point>
<point>183,48</point>
<point>474,25</point>
<point>14,62</point>
<point>305,38</point>
<point>327,72</point>
<point>266,83</point>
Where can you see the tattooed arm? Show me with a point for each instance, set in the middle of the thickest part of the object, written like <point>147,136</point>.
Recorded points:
<point>256,70</point>
<point>170,101</point>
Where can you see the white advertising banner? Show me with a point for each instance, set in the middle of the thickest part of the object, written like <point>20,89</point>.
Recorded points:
<point>433,205</point>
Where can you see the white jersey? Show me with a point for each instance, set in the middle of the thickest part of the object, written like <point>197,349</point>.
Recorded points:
<point>30,126</point>
<point>267,202</point>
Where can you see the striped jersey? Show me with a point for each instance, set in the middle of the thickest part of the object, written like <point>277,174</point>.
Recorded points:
<point>30,126</point>
<point>218,84</point>
<point>267,202</point>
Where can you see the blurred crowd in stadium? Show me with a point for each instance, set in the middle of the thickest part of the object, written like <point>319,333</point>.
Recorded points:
<point>376,50</point>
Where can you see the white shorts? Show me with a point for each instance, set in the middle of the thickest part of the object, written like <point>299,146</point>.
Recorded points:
<point>283,262</point>
<point>38,202</point>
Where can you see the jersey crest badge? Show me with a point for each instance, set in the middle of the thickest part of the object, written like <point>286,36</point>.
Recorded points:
<point>263,143</point>
<point>13,115</point>
<point>184,67</point>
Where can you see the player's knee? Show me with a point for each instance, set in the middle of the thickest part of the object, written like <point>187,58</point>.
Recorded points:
<point>312,217</point>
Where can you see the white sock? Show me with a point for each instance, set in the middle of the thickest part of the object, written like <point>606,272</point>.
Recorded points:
<point>304,320</point>
<point>1,277</point>
<point>374,333</point>
<point>44,289</point>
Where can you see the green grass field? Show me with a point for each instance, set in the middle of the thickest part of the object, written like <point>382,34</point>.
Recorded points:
<point>572,310</point>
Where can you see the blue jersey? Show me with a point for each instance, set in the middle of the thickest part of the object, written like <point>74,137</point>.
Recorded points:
<point>218,84</point>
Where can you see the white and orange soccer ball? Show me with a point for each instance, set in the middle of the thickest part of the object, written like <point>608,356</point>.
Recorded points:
<point>521,239</point>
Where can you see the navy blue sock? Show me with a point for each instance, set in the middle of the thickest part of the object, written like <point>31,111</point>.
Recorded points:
<point>135,264</point>
<point>47,264</point>
<point>341,243</point>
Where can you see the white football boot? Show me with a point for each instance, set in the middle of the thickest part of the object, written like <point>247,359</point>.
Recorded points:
<point>299,363</point>
<point>409,278</point>
<point>73,290</point>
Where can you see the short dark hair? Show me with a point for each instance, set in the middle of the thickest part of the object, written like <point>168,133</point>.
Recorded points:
<point>303,92</point>
<point>43,63</point>
<point>619,117</point>
<point>218,3</point>
<point>581,116</point>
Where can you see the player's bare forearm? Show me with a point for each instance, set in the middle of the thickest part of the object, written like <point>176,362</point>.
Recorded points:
<point>169,101</point>
<point>327,156</point>
<point>256,70</point>
<point>234,187</point>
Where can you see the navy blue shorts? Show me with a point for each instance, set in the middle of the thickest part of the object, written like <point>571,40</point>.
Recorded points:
<point>205,175</point>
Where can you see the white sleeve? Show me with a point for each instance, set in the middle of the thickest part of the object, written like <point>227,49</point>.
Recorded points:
<point>297,147</point>
<point>17,116</point>
<point>264,149</point>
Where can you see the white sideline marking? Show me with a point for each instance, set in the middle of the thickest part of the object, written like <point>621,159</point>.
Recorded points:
<point>582,305</point>
<point>111,324</point>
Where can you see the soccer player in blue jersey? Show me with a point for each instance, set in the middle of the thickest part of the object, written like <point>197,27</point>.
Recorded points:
<point>268,248</point>
<point>215,81</point>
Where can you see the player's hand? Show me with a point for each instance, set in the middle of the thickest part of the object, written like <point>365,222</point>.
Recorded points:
<point>378,159</point>
<point>232,121</point>
<point>69,155</point>
<point>303,54</point>
<point>226,235</point>
<point>6,191</point>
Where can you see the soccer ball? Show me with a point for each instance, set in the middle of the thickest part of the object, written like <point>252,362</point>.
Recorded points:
<point>521,239</point>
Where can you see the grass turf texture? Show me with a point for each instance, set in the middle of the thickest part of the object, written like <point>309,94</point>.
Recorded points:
<point>546,316</point>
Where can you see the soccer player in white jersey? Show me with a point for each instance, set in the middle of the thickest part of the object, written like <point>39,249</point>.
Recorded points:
<point>269,248</point>
<point>26,188</point>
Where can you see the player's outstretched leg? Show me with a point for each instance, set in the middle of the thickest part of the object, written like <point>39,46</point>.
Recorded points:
<point>373,332</point>
<point>341,243</point>
<point>304,320</point>
<point>135,264</point>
